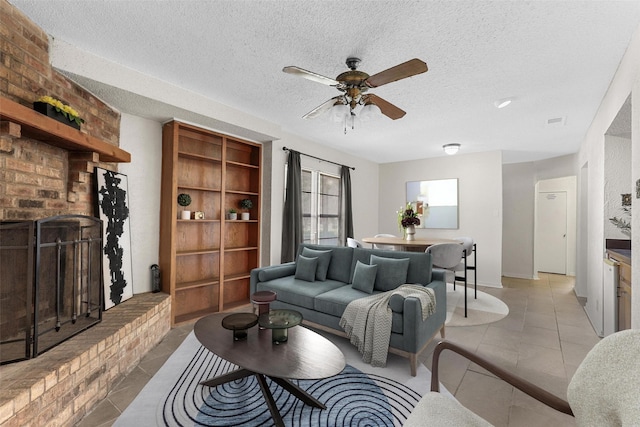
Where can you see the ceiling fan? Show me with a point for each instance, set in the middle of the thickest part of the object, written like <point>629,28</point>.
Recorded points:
<point>354,84</point>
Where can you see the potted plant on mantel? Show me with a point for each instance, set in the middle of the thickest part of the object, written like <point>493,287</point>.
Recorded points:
<point>58,110</point>
<point>184,200</point>
<point>246,205</point>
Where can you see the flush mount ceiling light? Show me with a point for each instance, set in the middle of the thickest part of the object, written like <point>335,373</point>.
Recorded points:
<point>451,149</point>
<point>501,103</point>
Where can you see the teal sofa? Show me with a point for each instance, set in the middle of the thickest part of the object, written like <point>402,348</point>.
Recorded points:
<point>322,297</point>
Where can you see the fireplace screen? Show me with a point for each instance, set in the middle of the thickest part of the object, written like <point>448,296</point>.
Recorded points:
<point>50,282</point>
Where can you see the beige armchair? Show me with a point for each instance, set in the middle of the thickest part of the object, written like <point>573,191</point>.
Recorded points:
<point>604,391</point>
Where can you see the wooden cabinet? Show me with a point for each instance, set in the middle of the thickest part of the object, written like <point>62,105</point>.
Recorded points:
<point>205,263</point>
<point>624,296</point>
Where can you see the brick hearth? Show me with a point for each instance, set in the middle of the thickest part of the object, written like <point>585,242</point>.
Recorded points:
<point>61,386</point>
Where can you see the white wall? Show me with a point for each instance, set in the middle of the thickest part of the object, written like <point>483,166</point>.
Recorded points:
<point>635,196</point>
<point>617,181</point>
<point>519,198</point>
<point>625,81</point>
<point>480,202</point>
<point>143,139</point>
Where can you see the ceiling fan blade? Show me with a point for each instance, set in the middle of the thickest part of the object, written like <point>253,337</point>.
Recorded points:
<point>387,108</point>
<point>296,71</point>
<point>325,106</point>
<point>401,71</point>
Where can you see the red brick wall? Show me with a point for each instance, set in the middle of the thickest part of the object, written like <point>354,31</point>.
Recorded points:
<point>38,180</point>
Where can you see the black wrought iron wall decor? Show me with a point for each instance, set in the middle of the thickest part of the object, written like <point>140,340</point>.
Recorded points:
<point>113,209</point>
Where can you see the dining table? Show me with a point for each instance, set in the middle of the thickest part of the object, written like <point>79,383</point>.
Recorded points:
<point>416,245</point>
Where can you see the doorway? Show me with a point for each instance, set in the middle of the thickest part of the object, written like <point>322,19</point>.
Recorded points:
<point>551,233</point>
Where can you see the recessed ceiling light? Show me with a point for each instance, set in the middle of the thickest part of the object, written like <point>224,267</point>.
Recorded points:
<point>451,149</point>
<point>501,103</point>
<point>556,121</point>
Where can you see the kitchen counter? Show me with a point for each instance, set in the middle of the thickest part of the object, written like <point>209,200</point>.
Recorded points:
<point>622,255</point>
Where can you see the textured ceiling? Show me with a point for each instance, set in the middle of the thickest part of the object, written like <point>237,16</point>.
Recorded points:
<point>555,58</point>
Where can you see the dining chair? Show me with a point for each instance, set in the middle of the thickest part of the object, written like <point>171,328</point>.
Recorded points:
<point>385,247</point>
<point>447,257</point>
<point>469,248</point>
<point>602,392</point>
<point>353,243</point>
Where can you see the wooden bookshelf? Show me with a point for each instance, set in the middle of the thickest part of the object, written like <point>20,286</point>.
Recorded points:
<point>205,264</point>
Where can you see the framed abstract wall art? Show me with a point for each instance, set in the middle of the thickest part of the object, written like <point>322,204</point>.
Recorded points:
<point>112,207</point>
<point>435,201</point>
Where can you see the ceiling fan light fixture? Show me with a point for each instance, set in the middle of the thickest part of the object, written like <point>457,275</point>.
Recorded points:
<point>369,111</point>
<point>339,112</point>
<point>451,149</point>
<point>501,103</point>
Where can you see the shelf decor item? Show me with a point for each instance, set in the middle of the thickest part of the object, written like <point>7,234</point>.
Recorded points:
<point>59,111</point>
<point>246,205</point>
<point>232,214</point>
<point>184,200</point>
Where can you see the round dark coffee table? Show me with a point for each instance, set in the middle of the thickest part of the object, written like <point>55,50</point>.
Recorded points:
<point>306,355</point>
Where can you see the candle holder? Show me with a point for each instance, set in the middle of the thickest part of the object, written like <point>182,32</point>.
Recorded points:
<point>279,321</point>
<point>240,323</point>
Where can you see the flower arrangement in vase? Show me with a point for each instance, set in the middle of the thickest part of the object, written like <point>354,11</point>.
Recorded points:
<point>59,111</point>
<point>407,220</point>
<point>184,200</point>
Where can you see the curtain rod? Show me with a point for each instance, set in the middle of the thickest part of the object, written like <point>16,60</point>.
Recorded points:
<point>318,158</point>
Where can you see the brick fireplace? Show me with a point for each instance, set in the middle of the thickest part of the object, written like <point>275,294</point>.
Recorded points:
<point>46,170</point>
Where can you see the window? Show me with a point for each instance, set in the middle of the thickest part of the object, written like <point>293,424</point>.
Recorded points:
<point>320,208</point>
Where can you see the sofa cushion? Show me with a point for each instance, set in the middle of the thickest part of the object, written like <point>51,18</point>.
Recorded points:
<point>340,268</point>
<point>364,277</point>
<point>334,303</point>
<point>306,268</point>
<point>273,272</point>
<point>298,292</point>
<point>391,272</point>
<point>419,265</point>
<point>324,259</point>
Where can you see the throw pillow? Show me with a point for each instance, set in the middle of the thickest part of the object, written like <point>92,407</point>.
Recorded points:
<point>392,272</point>
<point>324,258</point>
<point>306,268</point>
<point>364,277</point>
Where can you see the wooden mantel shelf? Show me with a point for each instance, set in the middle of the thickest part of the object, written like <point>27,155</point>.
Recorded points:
<point>38,126</point>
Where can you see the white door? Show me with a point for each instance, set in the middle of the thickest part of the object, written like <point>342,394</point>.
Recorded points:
<point>551,247</point>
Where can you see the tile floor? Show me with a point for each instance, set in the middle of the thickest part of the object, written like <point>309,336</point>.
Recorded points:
<point>544,338</point>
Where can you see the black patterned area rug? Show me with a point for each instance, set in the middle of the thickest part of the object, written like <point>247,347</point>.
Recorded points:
<point>359,396</point>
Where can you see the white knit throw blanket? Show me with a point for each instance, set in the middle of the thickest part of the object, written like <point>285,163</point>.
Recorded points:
<point>367,321</point>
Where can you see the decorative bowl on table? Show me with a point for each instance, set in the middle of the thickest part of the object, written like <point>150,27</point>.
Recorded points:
<point>239,323</point>
<point>279,321</point>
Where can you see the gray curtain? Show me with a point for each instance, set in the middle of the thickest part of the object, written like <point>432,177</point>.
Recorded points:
<point>345,178</point>
<point>292,214</point>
